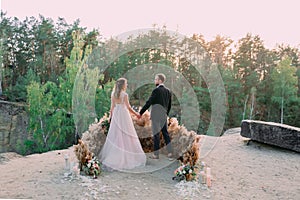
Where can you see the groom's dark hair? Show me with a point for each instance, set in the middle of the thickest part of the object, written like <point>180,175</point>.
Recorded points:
<point>161,77</point>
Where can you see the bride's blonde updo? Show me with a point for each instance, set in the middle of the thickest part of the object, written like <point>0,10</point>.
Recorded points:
<point>119,86</point>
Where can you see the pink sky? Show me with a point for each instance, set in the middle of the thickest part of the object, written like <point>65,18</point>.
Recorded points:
<point>276,21</point>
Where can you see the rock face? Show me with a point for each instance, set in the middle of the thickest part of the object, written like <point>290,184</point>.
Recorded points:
<point>272,133</point>
<point>13,126</point>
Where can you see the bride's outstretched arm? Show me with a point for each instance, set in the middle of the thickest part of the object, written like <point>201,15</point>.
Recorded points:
<point>129,107</point>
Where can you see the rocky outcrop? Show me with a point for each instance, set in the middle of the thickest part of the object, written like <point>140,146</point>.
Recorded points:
<point>272,133</point>
<point>13,126</point>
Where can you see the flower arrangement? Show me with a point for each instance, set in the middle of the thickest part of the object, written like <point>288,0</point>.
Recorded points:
<point>105,123</point>
<point>184,172</point>
<point>92,167</point>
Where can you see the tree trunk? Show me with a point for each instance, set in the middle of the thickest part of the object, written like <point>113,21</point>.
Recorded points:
<point>245,106</point>
<point>252,106</point>
<point>0,79</point>
<point>281,117</point>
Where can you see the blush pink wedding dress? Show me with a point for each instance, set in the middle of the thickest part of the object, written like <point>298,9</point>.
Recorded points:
<point>122,149</point>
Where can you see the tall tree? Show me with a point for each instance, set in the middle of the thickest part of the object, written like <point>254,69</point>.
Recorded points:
<point>264,88</point>
<point>251,66</point>
<point>220,51</point>
<point>283,51</point>
<point>284,85</point>
<point>249,60</point>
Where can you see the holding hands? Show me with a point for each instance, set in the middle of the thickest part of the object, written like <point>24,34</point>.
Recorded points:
<point>138,115</point>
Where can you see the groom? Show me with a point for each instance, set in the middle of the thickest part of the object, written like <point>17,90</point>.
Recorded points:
<point>160,100</point>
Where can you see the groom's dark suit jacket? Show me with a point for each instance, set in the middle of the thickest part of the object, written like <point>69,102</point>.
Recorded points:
<point>160,95</point>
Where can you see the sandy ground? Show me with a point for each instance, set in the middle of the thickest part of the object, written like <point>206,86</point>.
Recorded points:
<point>240,171</point>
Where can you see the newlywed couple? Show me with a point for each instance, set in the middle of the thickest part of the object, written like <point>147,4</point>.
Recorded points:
<point>122,149</point>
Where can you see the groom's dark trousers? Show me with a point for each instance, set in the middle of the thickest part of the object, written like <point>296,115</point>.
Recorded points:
<point>156,140</point>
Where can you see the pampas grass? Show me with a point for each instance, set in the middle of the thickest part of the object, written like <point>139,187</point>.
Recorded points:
<point>82,153</point>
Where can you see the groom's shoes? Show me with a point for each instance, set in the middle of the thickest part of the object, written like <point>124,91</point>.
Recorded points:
<point>154,156</point>
<point>170,156</point>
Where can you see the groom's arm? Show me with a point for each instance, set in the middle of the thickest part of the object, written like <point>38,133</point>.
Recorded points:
<point>170,102</point>
<point>149,102</point>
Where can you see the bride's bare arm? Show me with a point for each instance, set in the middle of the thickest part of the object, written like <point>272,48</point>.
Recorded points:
<point>112,105</point>
<point>129,107</point>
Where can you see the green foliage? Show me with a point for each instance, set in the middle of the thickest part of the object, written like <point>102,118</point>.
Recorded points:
<point>50,105</point>
<point>25,147</point>
<point>19,91</point>
<point>48,125</point>
<point>40,45</point>
<point>42,59</point>
<point>233,89</point>
<point>205,107</point>
<point>38,111</point>
<point>103,95</point>
<point>284,80</point>
<point>248,61</point>
<point>285,84</point>
<point>84,98</point>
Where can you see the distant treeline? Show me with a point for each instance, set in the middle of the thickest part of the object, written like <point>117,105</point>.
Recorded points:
<point>40,59</point>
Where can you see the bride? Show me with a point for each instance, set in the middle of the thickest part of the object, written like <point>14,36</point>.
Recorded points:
<point>122,148</point>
